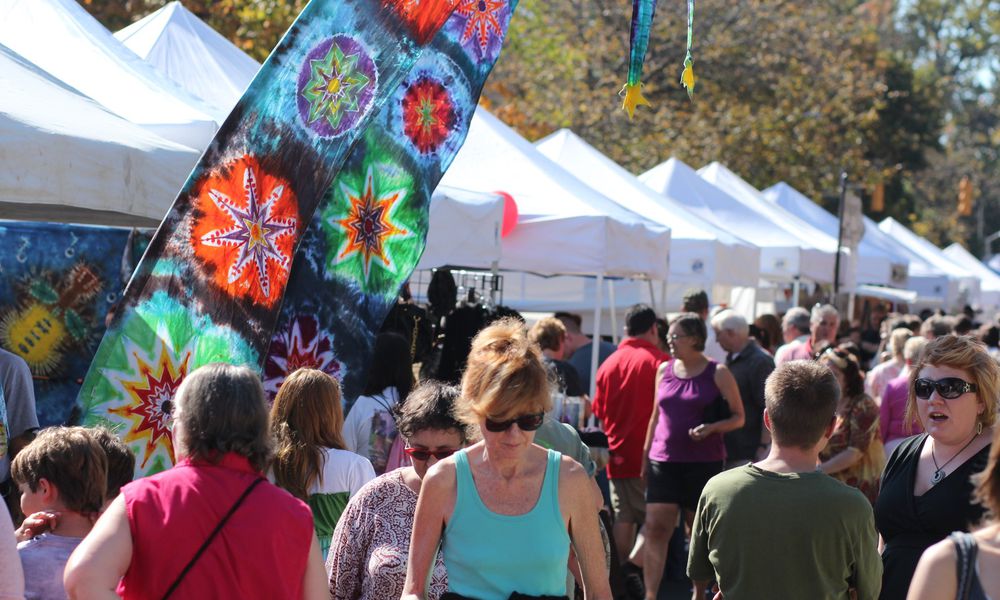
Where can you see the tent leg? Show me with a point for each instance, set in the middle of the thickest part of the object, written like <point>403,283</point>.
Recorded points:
<point>663,309</point>
<point>850,306</point>
<point>796,290</point>
<point>652,296</point>
<point>615,335</point>
<point>596,345</point>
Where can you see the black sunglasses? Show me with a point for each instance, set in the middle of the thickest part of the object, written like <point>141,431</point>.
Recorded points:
<point>524,422</point>
<point>948,388</point>
<point>418,454</point>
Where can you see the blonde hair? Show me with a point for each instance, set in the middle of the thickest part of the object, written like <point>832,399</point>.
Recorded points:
<point>505,376</point>
<point>897,340</point>
<point>969,355</point>
<point>548,333</point>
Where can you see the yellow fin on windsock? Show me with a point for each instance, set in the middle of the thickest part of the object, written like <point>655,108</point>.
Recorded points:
<point>687,77</point>
<point>632,93</point>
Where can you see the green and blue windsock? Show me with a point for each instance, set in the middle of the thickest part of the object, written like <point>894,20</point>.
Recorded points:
<point>642,23</point>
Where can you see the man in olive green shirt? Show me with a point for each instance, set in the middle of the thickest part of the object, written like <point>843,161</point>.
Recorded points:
<point>778,528</point>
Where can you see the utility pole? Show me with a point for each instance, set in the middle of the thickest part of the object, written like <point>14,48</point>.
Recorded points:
<point>840,235</point>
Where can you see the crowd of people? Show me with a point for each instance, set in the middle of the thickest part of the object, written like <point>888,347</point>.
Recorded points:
<point>792,457</point>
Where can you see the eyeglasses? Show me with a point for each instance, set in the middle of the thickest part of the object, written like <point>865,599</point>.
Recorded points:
<point>673,337</point>
<point>524,422</point>
<point>948,388</point>
<point>417,454</point>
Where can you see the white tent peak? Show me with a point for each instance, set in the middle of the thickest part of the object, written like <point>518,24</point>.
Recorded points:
<point>68,158</point>
<point>62,38</point>
<point>192,54</point>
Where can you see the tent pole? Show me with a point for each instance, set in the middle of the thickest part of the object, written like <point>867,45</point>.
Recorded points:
<point>796,288</point>
<point>652,296</point>
<point>596,345</point>
<point>612,309</point>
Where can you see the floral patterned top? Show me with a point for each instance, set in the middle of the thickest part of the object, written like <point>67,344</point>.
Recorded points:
<point>367,559</point>
<point>857,427</point>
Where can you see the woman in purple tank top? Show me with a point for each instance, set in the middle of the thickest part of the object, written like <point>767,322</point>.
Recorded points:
<point>684,440</point>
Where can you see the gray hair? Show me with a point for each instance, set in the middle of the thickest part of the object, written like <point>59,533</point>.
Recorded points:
<point>223,409</point>
<point>897,339</point>
<point>798,318</point>
<point>913,349</point>
<point>823,310</point>
<point>730,320</point>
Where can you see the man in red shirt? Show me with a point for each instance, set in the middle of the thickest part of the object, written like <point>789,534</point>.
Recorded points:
<point>623,401</point>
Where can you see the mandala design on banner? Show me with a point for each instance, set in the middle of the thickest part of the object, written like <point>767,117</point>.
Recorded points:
<point>301,343</point>
<point>368,224</point>
<point>337,86</point>
<point>480,26</point>
<point>161,343</point>
<point>247,230</point>
<point>431,108</point>
<point>151,396</point>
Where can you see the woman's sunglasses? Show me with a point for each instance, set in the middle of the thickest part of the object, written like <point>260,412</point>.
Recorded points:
<point>524,422</point>
<point>948,388</point>
<point>417,454</point>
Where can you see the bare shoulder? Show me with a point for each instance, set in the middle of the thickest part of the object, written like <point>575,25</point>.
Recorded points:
<point>441,476</point>
<point>572,476</point>
<point>935,577</point>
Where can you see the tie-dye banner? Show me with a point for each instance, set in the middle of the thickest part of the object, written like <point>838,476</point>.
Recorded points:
<point>310,165</point>
<point>369,233</point>
<point>57,283</point>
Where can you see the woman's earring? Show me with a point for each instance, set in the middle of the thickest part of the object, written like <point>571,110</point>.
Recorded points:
<point>979,427</point>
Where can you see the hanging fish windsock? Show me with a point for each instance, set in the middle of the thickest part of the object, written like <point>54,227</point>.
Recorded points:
<point>642,23</point>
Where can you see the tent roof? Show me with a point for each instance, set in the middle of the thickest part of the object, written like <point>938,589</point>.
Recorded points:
<point>876,263</point>
<point>464,229</point>
<point>932,255</point>
<point>193,55</point>
<point>564,227</point>
<point>62,149</point>
<point>783,254</point>
<point>700,252</point>
<point>62,38</point>
<point>957,253</point>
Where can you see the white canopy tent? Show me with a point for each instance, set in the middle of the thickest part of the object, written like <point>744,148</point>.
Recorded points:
<point>464,229</point>
<point>564,227</point>
<point>701,254</point>
<point>931,286</point>
<point>989,281</point>
<point>876,266</point>
<point>784,256</point>
<point>66,158</point>
<point>192,54</point>
<point>61,38</point>
<point>818,249</point>
<point>963,286</point>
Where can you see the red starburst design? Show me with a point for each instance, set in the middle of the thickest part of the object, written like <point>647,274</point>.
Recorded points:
<point>423,17</point>
<point>483,20</point>
<point>301,344</point>
<point>152,401</point>
<point>428,114</point>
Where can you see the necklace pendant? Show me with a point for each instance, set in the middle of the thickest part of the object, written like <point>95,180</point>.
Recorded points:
<point>937,477</point>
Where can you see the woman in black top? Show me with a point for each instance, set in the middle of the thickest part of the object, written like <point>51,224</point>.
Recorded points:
<point>926,488</point>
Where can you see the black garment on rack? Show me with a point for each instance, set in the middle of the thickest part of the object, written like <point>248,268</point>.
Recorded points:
<point>460,327</point>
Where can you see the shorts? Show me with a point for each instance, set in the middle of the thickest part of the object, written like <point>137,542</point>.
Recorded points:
<point>628,500</point>
<point>679,482</point>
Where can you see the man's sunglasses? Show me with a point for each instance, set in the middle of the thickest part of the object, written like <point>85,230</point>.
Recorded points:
<point>948,388</point>
<point>524,422</point>
<point>417,454</point>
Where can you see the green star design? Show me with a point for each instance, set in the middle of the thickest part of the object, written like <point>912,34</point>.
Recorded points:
<point>334,86</point>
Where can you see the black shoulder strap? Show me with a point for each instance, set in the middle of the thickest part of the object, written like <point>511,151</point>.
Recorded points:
<point>965,563</point>
<point>211,536</point>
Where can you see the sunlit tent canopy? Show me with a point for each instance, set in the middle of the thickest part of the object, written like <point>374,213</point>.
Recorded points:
<point>564,227</point>
<point>701,254</point>
<point>876,265</point>
<point>63,39</point>
<point>66,158</point>
<point>932,287</point>
<point>989,280</point>
<point>819,247</point>
<point>193,55</point>
<point>784,255</point>
<point>464,229</point>
<point>967,291</point>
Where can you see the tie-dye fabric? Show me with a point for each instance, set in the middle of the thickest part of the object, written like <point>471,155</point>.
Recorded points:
<point>289,241</point>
